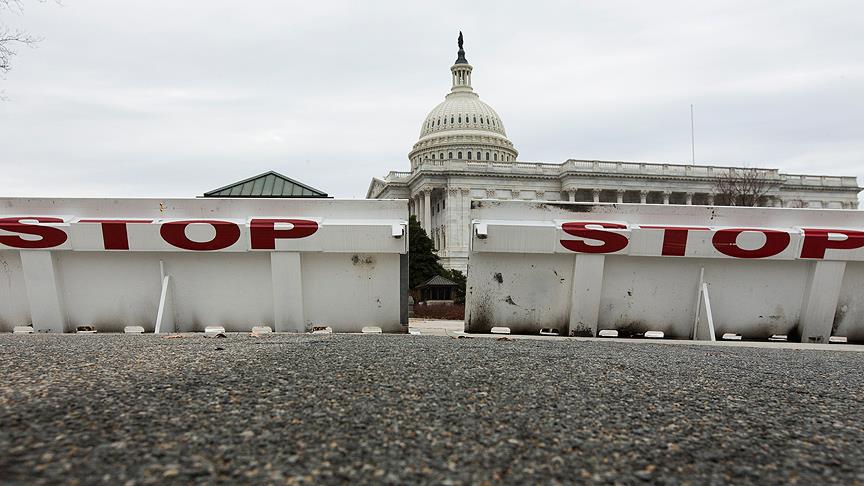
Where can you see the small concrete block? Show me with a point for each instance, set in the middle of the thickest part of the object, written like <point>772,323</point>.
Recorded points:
<point>654,334</point>
<point>778,337</point>
<point>610,333</point>
<point>262,330</point>
<point>23,330</point>
<point>549,332</point>
<point>838,340</point>
<point>214,330</point>
<point>415,332</point>
<point>371,330</point>
<point>500,330</point>
<point>731,336</point>
<point>133,330</point>
<point>85,330</point>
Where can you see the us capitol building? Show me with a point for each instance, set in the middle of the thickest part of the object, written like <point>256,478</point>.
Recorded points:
<point>463,153</point>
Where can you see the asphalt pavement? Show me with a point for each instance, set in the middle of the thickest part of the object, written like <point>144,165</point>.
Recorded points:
<point>403,409</point>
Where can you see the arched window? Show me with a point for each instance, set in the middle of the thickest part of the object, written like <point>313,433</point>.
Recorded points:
<point>451,118</point>
<point>449,155</point>
<point>460,118</point>
<point>475,118</point>
<point>496,156</point>
<point>442,155</point>
<point>445,120</point>
<point>478,155</point>
<point>433,156</point>
<point>469,155</point>
<point>487,155</point>
<point>459,156</point>
<point>439,122</point>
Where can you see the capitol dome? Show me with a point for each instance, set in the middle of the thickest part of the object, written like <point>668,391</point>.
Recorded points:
<point>462,127</point>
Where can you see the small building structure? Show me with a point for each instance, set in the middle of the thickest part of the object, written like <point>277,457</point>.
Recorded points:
<point>437,290</point>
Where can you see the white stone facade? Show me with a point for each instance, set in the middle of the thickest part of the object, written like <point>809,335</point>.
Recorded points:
<point>463,154</point>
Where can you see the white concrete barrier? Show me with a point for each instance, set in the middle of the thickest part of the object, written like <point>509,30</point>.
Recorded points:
<point>186,264</point>
<point>683,271</point>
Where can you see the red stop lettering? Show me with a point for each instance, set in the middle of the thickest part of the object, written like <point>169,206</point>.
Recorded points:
<point>610,242</point>
<point>816,241</point>
<point>725,241</point>
<point>114,234</point>
<point>675,238</point>
<point>263,232</point>
<point>174,233</point>
<point>49,236</point>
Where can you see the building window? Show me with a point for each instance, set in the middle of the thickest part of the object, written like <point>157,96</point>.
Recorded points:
<point>449,155</point>
<point>451,118</point>
<point>478,155</point>
<point>459,156</point>
<point>439,122</point>
<point>444,204</point>
<point>496,156</point>
<point>445,120</point>
<point>460,118</point>
<point>487,155</point>
<point>442,155</point>
<point>433,156</point>
<point>475,118</point>
<point>469,155</point>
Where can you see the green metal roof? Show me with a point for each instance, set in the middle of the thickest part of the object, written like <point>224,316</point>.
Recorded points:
<point>268,184</point>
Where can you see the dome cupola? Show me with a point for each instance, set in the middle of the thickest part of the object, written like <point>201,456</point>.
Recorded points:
<point>462,127</point>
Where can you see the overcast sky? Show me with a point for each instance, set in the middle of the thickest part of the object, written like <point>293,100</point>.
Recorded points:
<point>173,98</point>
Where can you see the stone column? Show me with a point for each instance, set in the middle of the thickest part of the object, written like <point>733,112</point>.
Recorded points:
<point>689,197</point>
<point>596,194</point>
<point>643,197</point>
<point>465,218</point>
<point>453,222</point>
<point>427,210</point>
<point>710,199</point>
<point>571,195</point>
<point>666,196</point>
<point>620,195</point>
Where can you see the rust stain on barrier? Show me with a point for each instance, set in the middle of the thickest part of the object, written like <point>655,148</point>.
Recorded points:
<point>839,315</point>
<point>363,260</point>
<point>573,208</point>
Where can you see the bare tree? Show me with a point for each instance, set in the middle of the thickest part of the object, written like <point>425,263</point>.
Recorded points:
<point>744,187</point>
<point>10,39</point>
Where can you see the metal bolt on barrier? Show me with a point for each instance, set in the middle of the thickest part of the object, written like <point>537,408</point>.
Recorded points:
<point>654,334</point>
<point>500,330</point>
<point>133,330</point>
<point>609,333</point>
<point>371,330</point>
<point>23,330</point>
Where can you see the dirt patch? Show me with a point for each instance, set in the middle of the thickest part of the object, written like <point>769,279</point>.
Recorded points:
<point>574,207</point>
<point>363,260</point>
<point>498,277</point>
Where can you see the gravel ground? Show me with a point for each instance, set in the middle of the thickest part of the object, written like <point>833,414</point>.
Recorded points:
<point>407,409</point>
